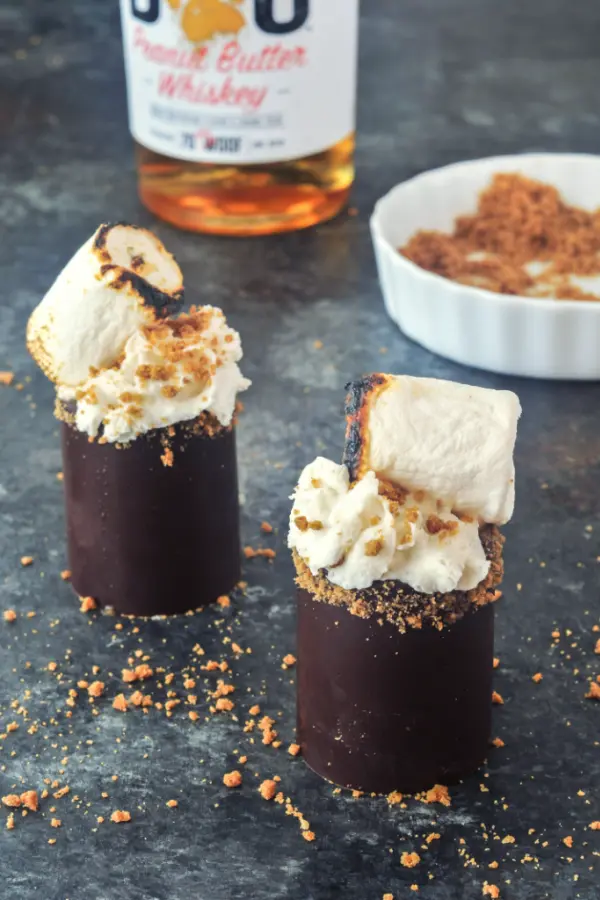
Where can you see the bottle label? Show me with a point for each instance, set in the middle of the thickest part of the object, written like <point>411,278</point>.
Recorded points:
<point>240,81</point>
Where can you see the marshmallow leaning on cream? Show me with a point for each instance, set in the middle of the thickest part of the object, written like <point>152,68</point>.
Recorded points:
<point>122,363</point>
<point>452,440</point>
<point>121,279</point>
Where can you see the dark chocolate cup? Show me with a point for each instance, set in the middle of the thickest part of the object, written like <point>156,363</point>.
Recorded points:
<point>149,539</point>
<point>380,710</point>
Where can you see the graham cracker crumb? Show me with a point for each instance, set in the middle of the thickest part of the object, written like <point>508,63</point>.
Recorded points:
<point>120,815</point>
<point>10,822</point>
<point>224,705</point>
<point>374,547</point>
<point>29,799</point>
<point>55,823</point>
<point>308,836</point>
<point>498,742</point>
<point>490,890</point>
<point>26,561</point>
<point>568,841</point>
<point>432,836</point>
<point>497,698</point>
<point>9,615</point>
<point>251,553</point>
<point>139,699</point>
<point>268,732</point>
<point>140,673</point>
<point>172,803</point>
<point>496,662</point>
<point>167,457</point>
<point>594,691</point>
<point>232,779</point>
<point>13,801</point>
<point>65,574</point>
<point>120,703</point>
<point>438,794</point>
<point>87,604</point>
<point>595,826</point>
<point>410,860</point>
<point>222,690</point>
<point>294,749</point>
<point>288,660</point>
<point>435,525</point>
<point>96,689</point>
<point>268,789</point>
<point>254,710</point>
<point>537,677</point>
<point>224,601</point>
<point>266,527</point>
<point>7,378</point>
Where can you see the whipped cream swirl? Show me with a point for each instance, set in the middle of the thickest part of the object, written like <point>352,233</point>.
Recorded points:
<point>359,535</point>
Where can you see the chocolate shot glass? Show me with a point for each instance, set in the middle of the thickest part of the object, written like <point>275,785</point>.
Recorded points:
<point>153,526</point>
<point>395,701</point>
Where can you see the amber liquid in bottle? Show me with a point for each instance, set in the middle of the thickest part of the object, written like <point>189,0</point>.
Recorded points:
<point>247,199</point>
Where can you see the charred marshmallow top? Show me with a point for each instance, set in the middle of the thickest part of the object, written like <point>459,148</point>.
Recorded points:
<point>452,440</point>
<point>103,335</point>
<point>421,461</point>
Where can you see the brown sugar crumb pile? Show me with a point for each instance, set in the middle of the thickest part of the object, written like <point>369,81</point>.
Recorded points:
<point>523,239</point>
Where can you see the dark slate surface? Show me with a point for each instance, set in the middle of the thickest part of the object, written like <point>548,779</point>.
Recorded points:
<point>441,80</point>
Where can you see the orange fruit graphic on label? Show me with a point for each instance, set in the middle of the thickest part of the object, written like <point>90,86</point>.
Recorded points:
<point>202,20</point>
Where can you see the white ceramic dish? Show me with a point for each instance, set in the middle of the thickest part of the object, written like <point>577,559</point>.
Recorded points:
<point>514,335</point>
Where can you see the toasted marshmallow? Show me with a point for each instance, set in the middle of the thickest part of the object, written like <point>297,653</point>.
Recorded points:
<point>121,279</point>
<point>452,440</point>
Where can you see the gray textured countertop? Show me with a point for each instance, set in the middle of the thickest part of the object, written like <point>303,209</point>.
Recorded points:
<point>440,81</point>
